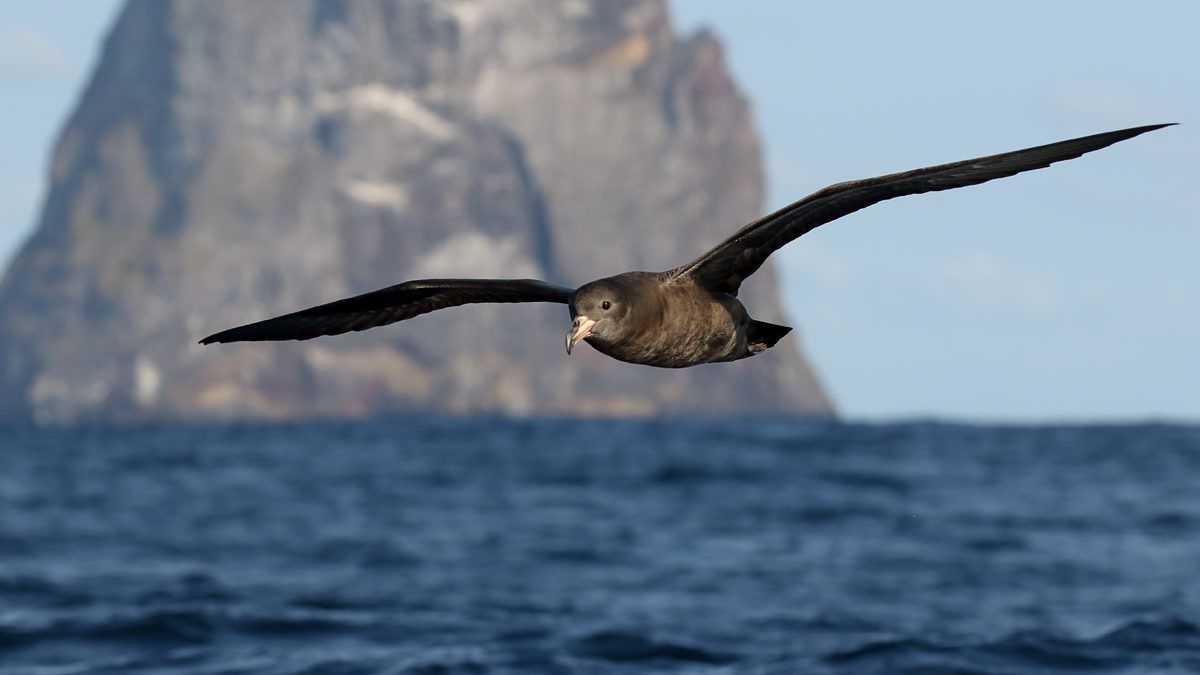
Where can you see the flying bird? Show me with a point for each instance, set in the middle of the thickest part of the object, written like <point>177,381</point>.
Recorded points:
<point>682,317</point>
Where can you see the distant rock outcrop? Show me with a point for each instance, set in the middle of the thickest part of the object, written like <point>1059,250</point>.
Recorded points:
<point>233,160</point>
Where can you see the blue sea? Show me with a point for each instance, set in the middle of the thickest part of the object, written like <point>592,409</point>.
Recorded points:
<point>469,545</point>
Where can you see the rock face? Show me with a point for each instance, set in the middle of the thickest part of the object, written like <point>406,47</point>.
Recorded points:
<point>233,160</point>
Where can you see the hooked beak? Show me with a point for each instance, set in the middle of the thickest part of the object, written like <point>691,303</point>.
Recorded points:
<point>581,328</point>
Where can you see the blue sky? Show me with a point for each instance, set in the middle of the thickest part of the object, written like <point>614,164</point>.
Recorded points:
<point>1071,293</point>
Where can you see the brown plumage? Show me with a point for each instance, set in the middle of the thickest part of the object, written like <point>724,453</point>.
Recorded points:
<point>681,317</point>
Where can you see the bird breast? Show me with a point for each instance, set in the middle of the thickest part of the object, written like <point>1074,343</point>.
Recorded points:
<point>691,326</point>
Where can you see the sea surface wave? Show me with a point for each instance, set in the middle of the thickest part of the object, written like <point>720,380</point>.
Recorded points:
<point>487,545</point>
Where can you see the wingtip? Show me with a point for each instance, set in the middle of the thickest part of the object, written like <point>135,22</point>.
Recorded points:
<point>1119,135</point>
<point>1130,132</point>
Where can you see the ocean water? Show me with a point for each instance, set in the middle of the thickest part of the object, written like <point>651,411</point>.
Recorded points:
<point>562,546</point>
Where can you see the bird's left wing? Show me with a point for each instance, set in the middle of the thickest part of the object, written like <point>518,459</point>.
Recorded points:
<point>725,267</point>
<point>391,304</point>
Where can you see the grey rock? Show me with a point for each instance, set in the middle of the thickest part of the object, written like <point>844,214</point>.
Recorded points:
<point>234,160</point>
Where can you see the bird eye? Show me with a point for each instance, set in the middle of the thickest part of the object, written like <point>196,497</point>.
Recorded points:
<point>605,305</point>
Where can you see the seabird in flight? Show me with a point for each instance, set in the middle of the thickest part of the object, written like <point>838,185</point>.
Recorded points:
<point>682,317</point>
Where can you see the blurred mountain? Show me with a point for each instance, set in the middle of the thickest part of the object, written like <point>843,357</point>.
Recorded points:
<point>233,160</point>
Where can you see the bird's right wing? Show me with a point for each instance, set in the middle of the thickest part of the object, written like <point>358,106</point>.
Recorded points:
<point>392,304</point>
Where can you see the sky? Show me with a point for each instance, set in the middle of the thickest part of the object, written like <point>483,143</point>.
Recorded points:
<point>1067,294</point>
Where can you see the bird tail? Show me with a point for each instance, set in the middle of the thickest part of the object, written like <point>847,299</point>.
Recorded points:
<point>765,333</point>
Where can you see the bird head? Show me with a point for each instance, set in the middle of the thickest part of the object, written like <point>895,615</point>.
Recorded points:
<point>597,309</point>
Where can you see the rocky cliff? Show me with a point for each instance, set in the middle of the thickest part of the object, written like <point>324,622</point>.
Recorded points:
<point>233,160</point>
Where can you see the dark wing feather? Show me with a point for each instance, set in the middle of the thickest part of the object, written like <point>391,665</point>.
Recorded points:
<point>725,267</point>
<point>391,304</point>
